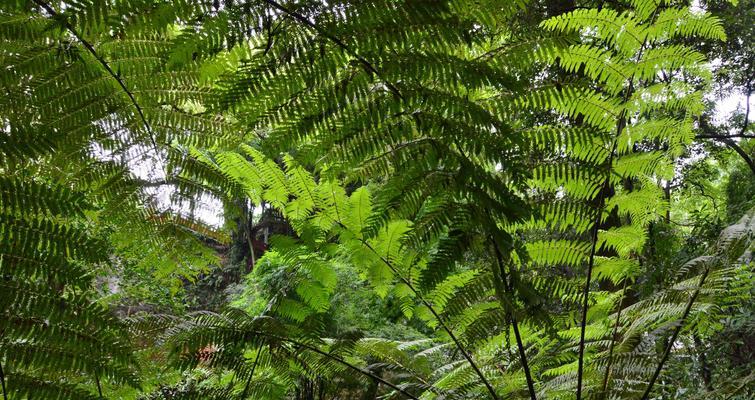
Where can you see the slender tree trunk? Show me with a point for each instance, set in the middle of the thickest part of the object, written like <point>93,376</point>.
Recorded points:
<point>591,263</point>
<point>667,193</point>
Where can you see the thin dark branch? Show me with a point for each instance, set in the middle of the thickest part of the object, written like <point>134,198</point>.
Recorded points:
<point>613,340</point>
<point>679,326</point>
<point>248,232</point>
<point>701,188</point>
<point>593,249</point>
<point>588,280</point>
<point>399,146</point>
<point>99,387</point>
<point>735,136</point>
<point>435,314</point>
<point>104,64</point>
<point>251,373</point>
<point>745,382</point>
<point>620,125</point>
<point>158,183</point>
<point>746,157</point>
<point>345,363</point>
<point>507,289</point>
<point>729,139</point>
<point>338,43</point>
<point>745,125</point>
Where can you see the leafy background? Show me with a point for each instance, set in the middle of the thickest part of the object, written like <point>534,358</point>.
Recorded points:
<point>383,199</point>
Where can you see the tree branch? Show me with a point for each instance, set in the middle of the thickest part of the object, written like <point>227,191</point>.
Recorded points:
<point>99,388</point>
<point>248,231</point>
<point>729,139</point>
<point>158,183</point>
<point>735,136</point>
<point>746,122</point>
<point>734,146</point>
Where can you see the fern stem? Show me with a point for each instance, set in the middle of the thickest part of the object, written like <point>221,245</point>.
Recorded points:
<point>397,93</point>
<point>104,64</point>
<point>435,314</point>
<point>344,363</point>
<point>613,340</point>
<point>590,265</point>
<point>458,344</point>
<point>2,382</point>
<point>251,373</point>
<point>338,42</point>
<point>508,290</point>
<point>99,388</point>
<point>679,326</point>
<point>620,124</point>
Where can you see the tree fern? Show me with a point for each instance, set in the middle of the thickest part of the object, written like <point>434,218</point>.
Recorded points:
<point>472,172</point>
<point>598,172</point>
<point>78,103</point>
<point>626,55</point>
<point>52,330</point>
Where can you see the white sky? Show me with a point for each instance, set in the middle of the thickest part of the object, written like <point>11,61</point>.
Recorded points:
<point>731,103</point>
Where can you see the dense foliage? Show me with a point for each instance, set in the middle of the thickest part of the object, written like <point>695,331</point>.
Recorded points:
<point>418,200</point>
